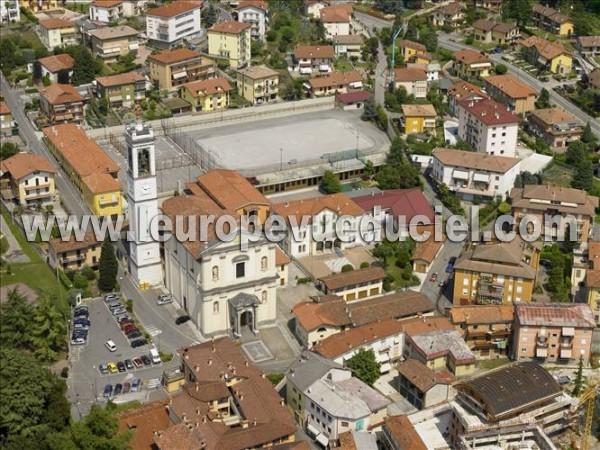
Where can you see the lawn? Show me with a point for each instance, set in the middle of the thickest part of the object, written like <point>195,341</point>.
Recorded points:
<point>489,364</point>
<point>557,175</point>
<point>396,272</point>
<point>342,65</point>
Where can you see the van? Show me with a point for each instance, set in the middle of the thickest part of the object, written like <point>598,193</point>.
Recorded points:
<point>154,356</point>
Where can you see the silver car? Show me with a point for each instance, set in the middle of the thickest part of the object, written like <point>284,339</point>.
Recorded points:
<point>164,299</point>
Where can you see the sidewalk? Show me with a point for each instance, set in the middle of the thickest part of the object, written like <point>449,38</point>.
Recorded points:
<point>14,253</point>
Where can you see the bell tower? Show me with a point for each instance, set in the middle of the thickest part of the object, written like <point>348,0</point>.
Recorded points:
<point>144,251</point>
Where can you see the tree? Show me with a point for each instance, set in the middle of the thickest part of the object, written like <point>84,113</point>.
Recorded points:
<point>364,365</point>
<point>256,48</point>
<point>519,10</point>
<point>210,15</point>
<point>543,100</point>
<point>369,111</point>
<point>389,6</point>
<point>500,69</point>
<point>347,268</point>
<point>37,71</point>
<point>431,42</point>
<point>388,178</point>
<point>15,317</point>
<point>382,118</point>
<point>294,90</point>
<point>8,149</point>
<point>330,183</point>
<point>49,330</point>
<point>85,66</point>
<point>63,76</point>
<point>588,136</point>
<point>108,267</point>
<point>99,430</point>
<point>578,384</point>
<point>584,176</point>
<point>368,169</point>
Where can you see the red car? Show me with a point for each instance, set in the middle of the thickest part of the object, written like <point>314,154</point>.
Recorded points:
<point>127,326</point>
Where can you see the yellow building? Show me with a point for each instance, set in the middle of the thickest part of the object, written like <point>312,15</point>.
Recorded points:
<point>469,64</point>
<point>419,119</point>
<point>6,120</point>
<point>546,55</point>
<point>553,21</point>
<point>58,32</point>
<point>207,95</point>
<point>30,178</point>
<point>73,254</point>
<point>39,5</point>
<point>258,84</point>
<point>231,41</point>
<point>95,175</point>
<point>170,69</point>
<point>408,49</point>
<point>496,273</point>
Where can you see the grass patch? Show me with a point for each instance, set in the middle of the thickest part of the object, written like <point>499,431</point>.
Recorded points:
<point>275,378</point>
<point>557,175</point>
<point>119,407</point>
<point>396,273</point>
<point>489,364</point>
<point>342,65</point>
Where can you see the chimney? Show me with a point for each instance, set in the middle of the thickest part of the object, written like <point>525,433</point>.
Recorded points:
<point>210,361</point>
<point>214,349</point>
<point>184,417</point>
<point>262,375</point>
<point>254,422</point>
<point>198,412</point>
<point>287,204</point>
<point>246,363</point>
<point>197,387</point>
<point>282,402</point>
<point>186,356</point>
<point>241,397</point>
<point>196,367</point>
<point>204,419</point>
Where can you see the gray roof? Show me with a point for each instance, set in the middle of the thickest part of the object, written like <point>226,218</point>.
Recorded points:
<point>364,440</point>
<point>357,388</point>
<point>337,401</point>
<point>309,368</point>
<point>440,342</point>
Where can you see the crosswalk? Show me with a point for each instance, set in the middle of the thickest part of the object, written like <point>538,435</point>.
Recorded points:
<point>76,352</point>
<point>152,330</point>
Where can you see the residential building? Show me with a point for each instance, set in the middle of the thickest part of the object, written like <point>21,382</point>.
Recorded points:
<point>125,89</point>
<point>385,338</point>
<point>39,5</point>
<point>313,59</point>
<point>419,119</point>
<point>489,5</point>
<point>413,80</point>
<point>258,84</point>
<point>592,284</point>
<point>554,208</point>
<point>327,315</point>
<point>313,7</point>
<point>353,100</point>
<point>496,273</point>
<point>107,11</point>
<point>58,33</point>
<point>432,69</point>
<point>555,126</point>
<point>207,95</point>
<point>487,329</point>
<point>451,15</point>
<point>335,83</point>
<point>593,79</point>
<point>231,41</point>
<point>410,50</point>
<point>553,21</point>
<point>336,20</point>
<point>30,179</point>
<point>462,90</point>
<point>111,43</point>
<point>9,11</point>
<point>475,175</point>
<point>488,126</point>
<point>168,25</point>
<point>506,89</point>
<point>425,253</point>
<point>491,32</point>
<point>73,254</point>
<point>169,69</point>
<point>553,332</point>
<point>357,440</point>
<point>220,285</point>
<point>282,261</point>
<point>530,435</point>
<point>355,285</point>
<point>546,55</point>
<point>588,45</point>
<point>471,64</point>
<point>61,103</point>
<point>54,64</point>
<point>256,13</point>
<point>134,7</point>
<point>398,433</point>
<point>421,386</point>
<point>7,124</point>
<point>348,45</point>
<point>91,171</point>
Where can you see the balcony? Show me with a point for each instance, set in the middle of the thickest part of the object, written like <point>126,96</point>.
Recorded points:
<point>489,292</point>
<point>72,259</point>
<point>37,186</point>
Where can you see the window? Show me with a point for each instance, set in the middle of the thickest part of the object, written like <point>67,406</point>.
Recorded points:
<point>465,282</point>
<point>240,270</point>
<point>215,273</point>
<point>465,292</point>
<point>344,424</point>
<point>263,297</point>
<point>263,263</point>
<point>216,308</point>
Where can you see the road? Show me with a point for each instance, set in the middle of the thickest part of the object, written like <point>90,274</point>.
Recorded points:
<point>69,196</point>
<point>559,100</point>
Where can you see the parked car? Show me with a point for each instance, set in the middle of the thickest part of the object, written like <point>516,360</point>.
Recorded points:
<point>126,387</point>
<point>82,320</point>
<point>112,367</point>
<point>164,299</point>
<point>78,341</point>
<point>118,311</point>
<point>138,343</point>
<point>134,335</point>
<point>545,79</point>
<point>137,362</point>
<point>111,297</point>
<point>118,389</point>
<point>81,313</point>
<point>121,366</point>
<point>146,359</point>
<point>135,384</point>
<point>124,318</point>
<point>125,326</point>
<point>129,364</point>
<point>115,305</point>
<point>79,334</point>
<point>108,390</point>
<point>450,266</point>
<point>103,368</point>
<point>110,345</point>
<point>182,319</point>
<point>80,326</point>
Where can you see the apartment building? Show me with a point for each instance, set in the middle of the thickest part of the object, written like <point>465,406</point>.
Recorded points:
<point>415,81</point>
<point>592,284</point>
<point>348,45</point>
<point>491,32</point>
<point>475,175</point>
<point>553,333</point>
<point>231,41</point>
<point>555,126</point>
<point>7,124</point>
<point>421,386</point>
<point>313,59</point>
<point>107,11</point>
<point>336,20</point>
<point>110,43</point>
<point>551,20</point>
<point>255,13</point>
<point>10,11</point>
<point>462,90</point>
<point>419,119</point>
<point>451,15</point>
<point>432,69</point>
<point>488,126</point>
<point>471,64</point>
<point>57,33</point>
<point>496,273</point>
<point>52,65</point>
<point>61,103</point>
<point>125,89</point>
<point>168,25</point>
<point>335,83</point>
<point>588,45</point>
<point>258,84</point>
<point>554,208</point>
<point>494,6</point>
<point>74,254</point>
<point>91,171</point>
<point>487,329</point>
<point>506,89</point>
<point>398,433</point>
<point>546,55</point>
<point>39,5</point>
<point>170,69</point>
<point>207,95</point>
<point>30,179</point>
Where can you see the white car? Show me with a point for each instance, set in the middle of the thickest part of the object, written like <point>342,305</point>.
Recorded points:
<point>164,299</point>
<point>111,346</point>
<point>111,297</point>
<point>78,341</point>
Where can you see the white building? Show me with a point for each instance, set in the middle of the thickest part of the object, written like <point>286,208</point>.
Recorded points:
<point>475,175</point>
<point>256,13</point>
<point>56,32</point>
<point>134,7</point>
<point>168,25</point>
<point>488,126</point>
<point>314,8</point>
<point>9,11</point>
<point>432,70</point>
<point>336,20</point>
<point>107,10</point>
<point>313,59</point>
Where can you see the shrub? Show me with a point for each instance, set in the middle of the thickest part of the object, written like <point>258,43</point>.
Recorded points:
<point>80,282</point>
<point>64,279</point>
<point>364,265</point>
<point>88,272</point>
<point>304,280</point>
<point>347,268</point>
<point>503,208</point>
<point>275,378</point>
<point>64,372</point>
<point>165,356</point>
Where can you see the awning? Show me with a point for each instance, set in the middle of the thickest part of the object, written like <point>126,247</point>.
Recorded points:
<point>460,174</point>
<point>383,357</point>
<point>322,439</point>
<point>566,353</point>
<point>568,331</point>
<point>385,368</point>
<point>481,177</point>
<point>312,430</point>
<point>356,85</point>
<point>178,75</point>
<point>541,352</point>
<point>324,68</point>
<point>305,70</point>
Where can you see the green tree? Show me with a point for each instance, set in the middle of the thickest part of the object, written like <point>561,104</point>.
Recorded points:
<point>8,149</point>
<point>294,90</point>
<point>500,69</point>
<point>368,170</point>
<point>257,48</point>
<point>330,183</point>
<point>382,118</point>
<point>431,42</point>
<point>388,177</point>
<point>584,176</point>
<point>578,383</point>
<point>365,367</point>
<point>85,67</point>
<point>37,71</point>
<point>588,136</point>
<point>15,320</point>
<point>389,6</point>
<point>49,329</point>
<point>108,267</point>
<point>347,268</point>
<point>369,111</point>
<point>210,15</point>
<point>63,76</point>
<point>99,430</point>
<point>543,100</point>
<point>519,10</point>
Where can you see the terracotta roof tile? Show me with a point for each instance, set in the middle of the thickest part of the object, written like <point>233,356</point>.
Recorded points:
<point>404,433</point>
<point>336,14</point>
<point>60,246</point>
<point>174,56</point>
<point>463,89</point>
<point>105,33</point>
<point>336,79</point>
<point>4,109</point>
<point>258,72</point>
<point>345,279</point>
<point>474,160</point>
<point>589,41</point>
<point>551,116</point>
<point>510,85</point>
<point>181,437</point>
<point>211,86</point>
<point>489,111</point>
<point>54,63</point>
<point>106,3</point>
<point>419,111</point>
<point>592,278</point>
<point>470,57</point>
<point>481,314</point>
<point>23,164</point>
<point>175,8</point>
<point>353,97</point>
<point>547,49</point>
<point>555,315</point>
<point>314,51</point>
<point>484,24</point>
<point>145,421</point>
<point>403,74</point>
<point>411,44</point>
<point>348,39</point>
<point>230,27</point>
<point>573,200</point>
<point>594,254</point>
<point>551,14</point>
<point>119,80</point>
<point>281,259</point>
<point>338,203</point>
<point>594,78</point>
<point>230,189</point>
<point>419,374</point>
<point>59,94</point>
<point>427,250</point>
<point>52,24</point>
<point>99,183</point>
<point>407,203</point>
<point>417,326</point>
<point>260,4</point>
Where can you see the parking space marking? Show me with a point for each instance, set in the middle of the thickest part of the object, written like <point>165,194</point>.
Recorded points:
<point>76,353</point>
